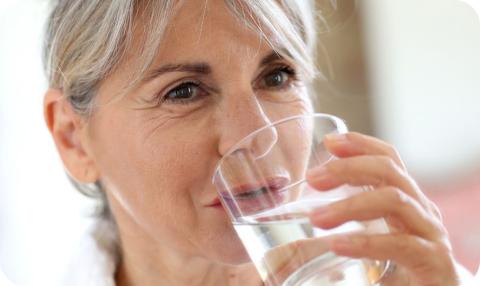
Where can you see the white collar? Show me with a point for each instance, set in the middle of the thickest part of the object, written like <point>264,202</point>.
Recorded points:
<point>95,260</point>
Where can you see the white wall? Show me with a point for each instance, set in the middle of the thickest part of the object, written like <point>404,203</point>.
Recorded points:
<point>40,213</point>
<point>425,63</point>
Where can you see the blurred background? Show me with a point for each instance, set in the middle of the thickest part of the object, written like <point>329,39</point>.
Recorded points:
<point>409,72</point>
<point>405,71</point>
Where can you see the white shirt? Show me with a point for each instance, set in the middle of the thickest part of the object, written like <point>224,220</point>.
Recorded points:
<point>95,261</point>
<point>3,280</point>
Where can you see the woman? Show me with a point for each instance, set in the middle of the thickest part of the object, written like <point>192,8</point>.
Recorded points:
<point>146,96</point>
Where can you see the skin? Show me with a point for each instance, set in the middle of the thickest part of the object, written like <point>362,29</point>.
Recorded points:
<point>156,161</point>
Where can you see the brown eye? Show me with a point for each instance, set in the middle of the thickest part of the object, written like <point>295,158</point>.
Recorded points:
<point>184,93</point>
<point>278,78</point>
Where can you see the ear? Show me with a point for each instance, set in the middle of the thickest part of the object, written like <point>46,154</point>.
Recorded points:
<point>68,130</point>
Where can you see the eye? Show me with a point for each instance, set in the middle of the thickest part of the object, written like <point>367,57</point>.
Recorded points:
<point>186,92</point>
<point>279,78</point>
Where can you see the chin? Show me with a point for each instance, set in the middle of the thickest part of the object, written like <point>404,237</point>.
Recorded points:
<point>228,257</point>
<point>227,249</point>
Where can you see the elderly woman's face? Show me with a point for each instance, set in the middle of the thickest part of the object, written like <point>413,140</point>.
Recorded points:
<point>213,82</point>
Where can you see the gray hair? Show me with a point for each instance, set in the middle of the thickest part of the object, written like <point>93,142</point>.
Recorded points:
<point>86,40</point>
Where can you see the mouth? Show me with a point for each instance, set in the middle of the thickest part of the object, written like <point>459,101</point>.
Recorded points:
<point>252,195</point>
<point>248,191</point>
<point>215,203</point>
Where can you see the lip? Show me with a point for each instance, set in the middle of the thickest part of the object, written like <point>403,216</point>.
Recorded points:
<point>274,186</point>
<point>215,203</point>
<point>248,191</point>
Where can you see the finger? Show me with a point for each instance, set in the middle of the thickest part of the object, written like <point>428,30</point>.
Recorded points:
<point>360,171</point>
<point>355,144</point>
<point>431,263</point>
<point>385,202</point>
<point>367,170</point>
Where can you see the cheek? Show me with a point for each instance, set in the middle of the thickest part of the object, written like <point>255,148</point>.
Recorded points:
<point>151,176</point>
<point>160,176</point>
<point>134,167</point>
<point>300,104</point>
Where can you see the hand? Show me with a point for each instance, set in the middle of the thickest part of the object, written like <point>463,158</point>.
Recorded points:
<point>418,242</point>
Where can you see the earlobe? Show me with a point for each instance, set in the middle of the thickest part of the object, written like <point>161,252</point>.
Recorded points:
<point>67,130</point>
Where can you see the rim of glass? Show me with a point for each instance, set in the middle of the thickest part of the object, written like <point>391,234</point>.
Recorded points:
<point>340,123</point>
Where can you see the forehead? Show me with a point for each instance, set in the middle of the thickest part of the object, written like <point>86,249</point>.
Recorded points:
<point>210,30</point>
<point>205,31</point>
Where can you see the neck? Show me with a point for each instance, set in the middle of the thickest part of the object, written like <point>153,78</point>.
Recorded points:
<point>146,261</point>
<point>193,272</point>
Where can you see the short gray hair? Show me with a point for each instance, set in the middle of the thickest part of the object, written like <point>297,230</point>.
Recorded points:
<point>86,40</point>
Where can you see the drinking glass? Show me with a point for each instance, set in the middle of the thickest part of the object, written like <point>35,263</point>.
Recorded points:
<point>261,184</point>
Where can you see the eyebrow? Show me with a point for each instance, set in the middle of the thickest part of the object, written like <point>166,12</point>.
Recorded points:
<point>200,67</point>
<point>271,57</point>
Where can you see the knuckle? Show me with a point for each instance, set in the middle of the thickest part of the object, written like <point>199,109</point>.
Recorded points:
<point>444,248</point>
<point>391,150</point>
<point>435,210</point>
<point>388,164</point>
<point>397,198</point>
<point>445,258</point>
<point>424,251</point>
<point>415,246</point>
<point>442,229</point>
<point>388,169</point>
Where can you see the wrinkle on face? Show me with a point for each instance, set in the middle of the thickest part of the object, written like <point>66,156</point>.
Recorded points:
<point>158,161</point>
<point>158,121</point>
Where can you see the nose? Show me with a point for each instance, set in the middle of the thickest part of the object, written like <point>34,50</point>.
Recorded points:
<point>240,119</point>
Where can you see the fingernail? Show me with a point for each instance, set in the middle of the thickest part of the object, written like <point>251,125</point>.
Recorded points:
<point>321,178</point>
<point>337,138</point>
<point>318,173</point>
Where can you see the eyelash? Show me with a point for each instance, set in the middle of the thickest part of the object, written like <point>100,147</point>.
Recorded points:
<point>185,84</point>
<point>292,73</point>
<point>197,85</point>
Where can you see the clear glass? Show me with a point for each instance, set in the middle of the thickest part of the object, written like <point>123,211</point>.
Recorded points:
<point>261,184</point>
